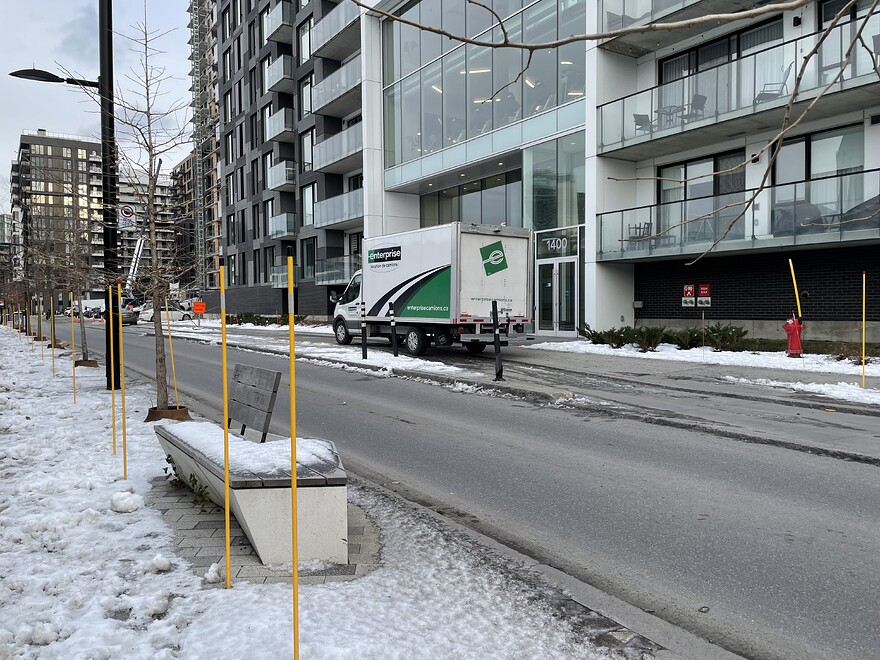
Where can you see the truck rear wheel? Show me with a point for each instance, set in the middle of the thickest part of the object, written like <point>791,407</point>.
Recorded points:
<point>343,336</point>
<point>474,347</point>
<point>416,341</point>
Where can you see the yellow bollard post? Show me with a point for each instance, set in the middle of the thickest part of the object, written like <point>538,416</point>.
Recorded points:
<point>294,541</point>
<point>73,345</point>
<point>225,421</point>
<point>171,346</point>
<point>52,331</point>
<point>30,329</point>
<point>40,332</point>
<point>864,323</point>
<point>112,377</point>
<point>121,376</point>
<point>797,296</point>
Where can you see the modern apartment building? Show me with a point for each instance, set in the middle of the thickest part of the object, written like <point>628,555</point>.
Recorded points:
<point>205,122</point>
<point>56,187</point>
<point>10,245</point>
<point>629,158</point>
<point>684,128</point>
<point>183,217</point>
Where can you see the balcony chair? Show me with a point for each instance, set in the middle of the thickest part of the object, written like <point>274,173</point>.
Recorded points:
<point>774,90</point>
<point>643,123</point>
<point>696,109</point>
<point>639,234</point>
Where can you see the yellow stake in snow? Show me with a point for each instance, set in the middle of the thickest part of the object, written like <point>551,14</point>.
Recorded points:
<point>73,345</point>
<point>31,334</point>
<point>112,376</point>
<point>52,331</point>
<point>225,421</point>
<point>796,295</point>
<point>864,321</point>
<point>171,345</point>
<point>294,543</point>
<point>121,372</point>
<point>40,330</point>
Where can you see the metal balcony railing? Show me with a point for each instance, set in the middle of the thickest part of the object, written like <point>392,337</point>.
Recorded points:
<point>281,126</point>
<point>279,23</point>
<point>279,75</point>
<point>282,176</point>
<point>281,226</point>
<point>336,270</point>
<point>338,147</point>
<point>333,24</point>
<point>737,89</point>
<point>340,209</point>
<point>337,84</point>
<point>833,209</point>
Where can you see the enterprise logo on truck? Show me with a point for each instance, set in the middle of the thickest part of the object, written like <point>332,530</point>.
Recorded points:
<point>494,259</point>
<point>384,258</point>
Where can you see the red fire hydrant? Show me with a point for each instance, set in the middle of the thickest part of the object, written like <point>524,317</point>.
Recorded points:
<point>794,328</point>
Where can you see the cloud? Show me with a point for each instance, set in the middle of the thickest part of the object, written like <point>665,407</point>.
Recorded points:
<point>78,43</point>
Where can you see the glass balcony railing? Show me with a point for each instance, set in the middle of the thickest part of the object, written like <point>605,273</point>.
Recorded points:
<point>279,75</point>
<point>282,176</point>
<point>282,225</point>
<point>829,210</point>
<point>336,270</point>
<point>278,277</point>
<point>279,22</point>
<point>339,18</point>
<point>336,84</point>
<point>339,146</point>
<point>617,14</point>
<point>761,80</point>
<point>341,208</point>
<point>281,126</point>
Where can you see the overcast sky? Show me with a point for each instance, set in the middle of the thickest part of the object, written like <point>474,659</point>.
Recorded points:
<point>63,34</point>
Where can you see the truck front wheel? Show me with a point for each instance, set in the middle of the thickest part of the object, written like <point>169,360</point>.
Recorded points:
<point>343,336</point>
<point>474,347</point>
<point>416,341</point>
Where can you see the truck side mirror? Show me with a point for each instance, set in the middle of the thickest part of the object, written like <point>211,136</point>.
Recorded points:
<point>333,297</point>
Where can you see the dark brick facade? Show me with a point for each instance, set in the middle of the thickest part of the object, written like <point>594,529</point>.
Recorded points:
<point>759,286</point>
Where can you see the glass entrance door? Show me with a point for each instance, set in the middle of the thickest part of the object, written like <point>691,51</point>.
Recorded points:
<point>557,298</point>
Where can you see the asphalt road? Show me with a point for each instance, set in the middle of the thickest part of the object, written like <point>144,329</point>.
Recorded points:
<point>767,552</point>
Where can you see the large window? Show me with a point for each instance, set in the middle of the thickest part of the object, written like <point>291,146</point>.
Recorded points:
<point>308,258</point>
<point>308,205</point>
<point>305,41</point>
<point>554,183</point>
<point>306,141</point>
<point>492,200</point>
<point>305,97</point>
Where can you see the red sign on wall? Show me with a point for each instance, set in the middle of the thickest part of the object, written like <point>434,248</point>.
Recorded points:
<point>703,291</point>
<point>688,291</point>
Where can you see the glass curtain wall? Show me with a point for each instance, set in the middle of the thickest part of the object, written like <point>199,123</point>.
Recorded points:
<point>554,183</point>
<point>476,87</point>
<point>489,201</point>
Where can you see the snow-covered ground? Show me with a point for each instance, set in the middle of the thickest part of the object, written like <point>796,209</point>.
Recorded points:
<point>88,571</point>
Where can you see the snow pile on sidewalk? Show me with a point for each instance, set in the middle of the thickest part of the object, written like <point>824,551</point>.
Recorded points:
<point>87,571</point>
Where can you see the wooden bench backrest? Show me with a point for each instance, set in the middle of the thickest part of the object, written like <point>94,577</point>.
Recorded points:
<point>252,396</point>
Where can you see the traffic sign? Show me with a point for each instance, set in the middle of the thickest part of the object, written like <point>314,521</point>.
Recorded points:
<point>199,307</point>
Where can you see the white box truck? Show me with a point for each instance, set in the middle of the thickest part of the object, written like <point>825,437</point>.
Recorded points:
<point>441,282</point>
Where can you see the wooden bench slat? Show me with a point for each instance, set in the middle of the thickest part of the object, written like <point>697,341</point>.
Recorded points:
<point>256,377</point>
<point>252,397</point>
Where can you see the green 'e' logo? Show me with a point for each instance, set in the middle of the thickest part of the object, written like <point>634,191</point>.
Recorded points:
<point>494,259</point>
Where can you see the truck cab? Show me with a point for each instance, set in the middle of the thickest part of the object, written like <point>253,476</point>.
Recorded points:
<point>346,314</point>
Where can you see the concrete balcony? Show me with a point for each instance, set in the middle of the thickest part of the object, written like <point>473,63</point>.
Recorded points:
<point>340,153</point>
<point>746,96</point>
<point>280,22</point>
<point>279,76</point>
<point>339,94</point>
<point>282,177</point>
<point>832,210</point>
<point>336,270</point>
<point>341,212</point>
<point>282,226</point>
<point>338,35</point>
<point>281,127</point>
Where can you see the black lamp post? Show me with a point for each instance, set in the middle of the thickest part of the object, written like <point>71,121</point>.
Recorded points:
<point>109,176</point>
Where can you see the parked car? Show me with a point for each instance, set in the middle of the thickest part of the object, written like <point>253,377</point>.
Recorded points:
<point>129,317</point>
<point>175,311</point>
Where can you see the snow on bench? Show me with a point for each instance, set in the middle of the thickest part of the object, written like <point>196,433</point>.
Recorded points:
<point>259,488</point>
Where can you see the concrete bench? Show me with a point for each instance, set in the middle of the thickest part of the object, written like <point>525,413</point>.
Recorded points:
<point>252,394</point>
<point>259,488</point>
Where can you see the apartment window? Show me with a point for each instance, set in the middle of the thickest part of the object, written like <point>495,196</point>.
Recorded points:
<point>308,205</point>
<point>305,97</point>
<point>254,131</point>
<point>252,85</point>
<point>237,51</point>
<point>303,3</point>
<point>268,212</point>
<point>264,26</point>
<point>305,41</point>
<point>230,189</point>
<point>227,64</point>
<point>308,258</point>
<point>228,110</point>
<point>264,67</point>
<point>229,145</point>
<point>356,182</point>
<point>305,150</point>
<point>266,112</point>
<point>240,175</point>
<point>230,269</point>
<point>267,165</point>
<point>252,36</point>
<point>268,262</point>
<point>355,242</point>
<point>230,229</point>
<point>258,272</point>
<point>239,139</point>
<point>255,176</point>
<point>255,220</point>
<point>81,154</point>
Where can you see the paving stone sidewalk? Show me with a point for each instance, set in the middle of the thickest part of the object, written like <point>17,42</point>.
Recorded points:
<point>199,537</point>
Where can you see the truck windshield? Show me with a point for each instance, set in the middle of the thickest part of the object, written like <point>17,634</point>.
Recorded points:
<point>353,291</point>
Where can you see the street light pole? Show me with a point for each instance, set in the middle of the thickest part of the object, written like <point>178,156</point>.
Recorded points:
<point>109,185</point>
